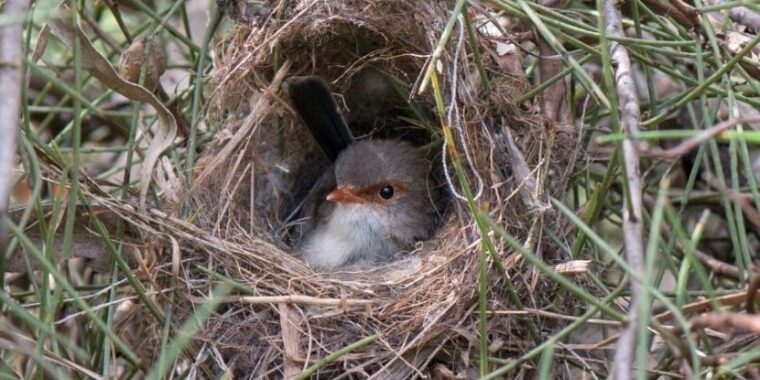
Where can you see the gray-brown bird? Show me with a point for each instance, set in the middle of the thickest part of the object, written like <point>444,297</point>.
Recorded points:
<point>372,202</point>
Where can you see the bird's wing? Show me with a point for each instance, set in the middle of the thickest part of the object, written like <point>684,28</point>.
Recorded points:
<point>315,207</point>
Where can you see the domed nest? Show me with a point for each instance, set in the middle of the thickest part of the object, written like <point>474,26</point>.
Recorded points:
<point>420,311</point>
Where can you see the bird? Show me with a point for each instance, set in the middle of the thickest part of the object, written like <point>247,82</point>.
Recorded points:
<point>373,201</point>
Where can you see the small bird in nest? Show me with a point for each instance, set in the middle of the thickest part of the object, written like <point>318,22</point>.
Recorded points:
<point>372,202</point>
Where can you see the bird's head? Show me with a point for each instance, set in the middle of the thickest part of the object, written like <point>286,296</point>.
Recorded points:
<point>389,179</point>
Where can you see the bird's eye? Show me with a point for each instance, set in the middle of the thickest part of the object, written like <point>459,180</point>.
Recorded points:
<point>386,192</point>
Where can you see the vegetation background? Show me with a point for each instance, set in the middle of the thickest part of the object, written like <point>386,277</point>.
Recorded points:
<point>625,246</point>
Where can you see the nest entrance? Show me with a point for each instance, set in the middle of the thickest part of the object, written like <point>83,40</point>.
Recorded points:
<point>261,186</point>
<point>374,104</point>
<point>375,107</point>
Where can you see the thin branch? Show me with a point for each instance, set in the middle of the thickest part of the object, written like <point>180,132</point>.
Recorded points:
<point>675,11</point>
<point>725,322</point>
<point>728,300</point>
<point>751,293</point>
<point>555,103</point>
<point>114,7</point>
<point>290,329</point>
<point>296,299</point>
<point>11,38</point>
<point>105,37</point>
<point>632,221</point>
<point>714,265</point>
<point>688,145</point>
<point>690,13</point>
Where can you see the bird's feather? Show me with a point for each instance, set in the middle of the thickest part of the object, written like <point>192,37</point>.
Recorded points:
<point>315,105</point>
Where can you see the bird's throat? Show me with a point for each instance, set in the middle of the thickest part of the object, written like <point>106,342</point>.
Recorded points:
<point>353,233</point>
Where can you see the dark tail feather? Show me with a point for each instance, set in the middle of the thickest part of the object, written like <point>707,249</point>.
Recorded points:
<point>315,105</point>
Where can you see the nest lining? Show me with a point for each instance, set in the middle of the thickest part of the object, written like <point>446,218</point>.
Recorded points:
<point>256,169</point>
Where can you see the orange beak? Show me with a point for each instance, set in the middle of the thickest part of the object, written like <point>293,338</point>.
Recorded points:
<point>344,195</point>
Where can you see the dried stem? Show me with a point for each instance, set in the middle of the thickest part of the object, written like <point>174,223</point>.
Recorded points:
<point>10,102</point>
<point>632,221</point>
<point>694,142</point>
<point>297,299</point>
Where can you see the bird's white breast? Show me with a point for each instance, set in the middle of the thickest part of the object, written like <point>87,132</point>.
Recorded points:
<point>352,233</point>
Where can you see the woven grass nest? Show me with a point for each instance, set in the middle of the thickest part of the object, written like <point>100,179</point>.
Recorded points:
<point>423,308</point>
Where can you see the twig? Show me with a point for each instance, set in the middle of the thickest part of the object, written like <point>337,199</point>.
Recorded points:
<point>308,372</point>
<point>676,12</point>
<point>441,46</point>
<point>556,107</point>
<point>296,299</point>
<point>726,301</point>
<point>632,221</point>
<point>105,37</point>
<point>548,314</point>
<point>694,142</point>
<point>714,265</point>
<point>10,103</point>
<point>114,7</point>
<point>554,101</point>
<point>690,13</point>
<point>727,321</point>
<point>751,293</point>
<point>744,203</point>
<point>290,326</point>
<point>524,176</point>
